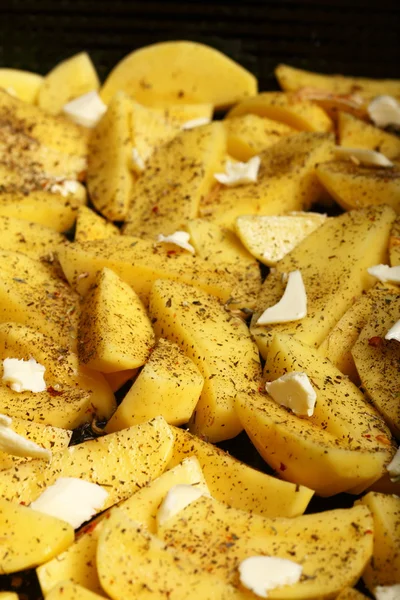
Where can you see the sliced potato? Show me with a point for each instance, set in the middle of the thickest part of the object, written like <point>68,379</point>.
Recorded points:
<point>66,590</point>
<point>150,128</point>
<point>394,244</point>
<point>180,114</point>
<point>119,378</point>
<point>351,594</point>
<point>355,133</point>
<point>24,84</point>
<point>91,226</point>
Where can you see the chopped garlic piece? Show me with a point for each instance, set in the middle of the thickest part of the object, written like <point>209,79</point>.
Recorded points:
<point>393,467</point>
<point>384,111</point>
<point>238,173</point>
<point>196,123</point>
<point>363,156</point>
<point>15,444</point>
<point>179,238</point>
<point>261,574</point>
<point>10,90</point>
<point>178,498</point>
<point>65,188</point>
<point>387,592</point>
<point>86,110</point>
<point>294,390</point>
<point>291,307</point>
<point>394,332</point>
<point>72,500</point>
<point>385,273</point>
<point>24,375</point>
<point>137,161</point>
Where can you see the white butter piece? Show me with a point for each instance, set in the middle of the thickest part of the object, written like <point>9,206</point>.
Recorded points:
<point>394,332</point>
<point>261,574</point>
<point>72,500</point>
<point>365,157</point>
<point>294,390</point>
<point>137,161</point>
<point>196,123</point>
<point>178,498</point>
<point>385,273</point>
<point>387,592</point>
<point>238,173</point>
<point>291,307</point>
<point>65,187</point>
<point>24,375</point>
<point>179,238</point>
<point>393,467</point>
<point>15,444</point>
<point>384,111</point>
<point>10,90</point>
<point>85,110</point>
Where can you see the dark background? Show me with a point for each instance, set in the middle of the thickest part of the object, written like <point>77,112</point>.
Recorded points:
<point>326,35</point>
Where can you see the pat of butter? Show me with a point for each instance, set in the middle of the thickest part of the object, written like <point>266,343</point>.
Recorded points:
<point>179,238</point>
<point>16,445</point>
<point>261,574</point>
<point>137,161</point>
<point>394,332</point>
<point>71,499</point>
<point>24,375</point>
<point>196,123</point>
<point>178,498</point>
<point>291,307</point>
<point>384,111</point>
<point>393,467</point>
<point>65,187</point>
<point>385,273</point>
<point>387,592</point>
<point>363,156</point>
<point>238,173</point>
<point>86,110</point>
<point>294,391</point>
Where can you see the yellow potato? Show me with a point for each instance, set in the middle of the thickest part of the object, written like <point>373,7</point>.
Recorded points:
<point>351,594</point>
<point>302,115</point>
<point>24,84</point>
<point>90,226</point>
<point>70,591</point>
<point>355,133</point>
<point>241,486</point>
<point>394,244</point>
<point>177,73</point>
<point>29,537</point>
<point>178,175</point>
<point>169,384</point>
<point>180,114</point>
<point>69,79</point>
<point>210,336</point>
<point>119,378</point>
<point>115,332</point>
<point>8,596</point>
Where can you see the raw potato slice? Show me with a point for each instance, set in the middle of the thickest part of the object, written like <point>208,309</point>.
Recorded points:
<point>124,462</point>
<point>351,594</point>
<point>269,239</point>
<point>139,263</point>
<point>210,336</point>
<point>355,133</point>
<point>394,244</point>
<point>115,332</point>
<point>119,378</point>
<point>169,384</point>
<point>8,596</point>
<point>109,176</point>
<point>241,487</point>
<point>286,181</point>
<point>69,79</point>
<point>29,537</point>
<point>332,547</point>
<point>349,244</point>
<point>178,73</point>
<point>90,226</point>
<point>135,564</point>
<point>180,114</point>
<point>177,177</point>
<point>302,115</point>
<point>355,186</point>
<point>66,590</point>
<point>292,79</point>
<point>149,129</point>
<point>384,566</point>
<point>377,360</point>
<point>24,84</point>
<point>249,135</point>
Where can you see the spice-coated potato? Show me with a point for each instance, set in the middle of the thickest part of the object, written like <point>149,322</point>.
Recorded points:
<point>24,84</point>
<point>91,226</point>
<point>355,133</point>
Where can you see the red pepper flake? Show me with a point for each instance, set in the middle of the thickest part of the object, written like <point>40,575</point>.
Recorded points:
<point>282,467</point>
<point>261,389</point>
<point>154,209</point>
<point>375,341</point>
<point>383,439</point>
<point>89,528</point>
<point>368,532</point>
<point>367,435</point>
<point>53,392</point>
<point>171,252</point>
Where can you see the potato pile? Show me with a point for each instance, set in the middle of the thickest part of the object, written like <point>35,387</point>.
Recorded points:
<point>168,281</point>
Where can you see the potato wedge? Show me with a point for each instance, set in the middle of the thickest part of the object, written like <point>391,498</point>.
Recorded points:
<point>24,84</point>
<point>351,594</point>
<point>355,133</point>
<point>180,114</point>
<point>330,292</point>
<point>90,226</point>
<point>179,72</point>
<point>169,384</point>
<point>8,596</point>
<point>66,590</point>
<point>210,336</point>
<point>394,244</point>
<point>119,378</point>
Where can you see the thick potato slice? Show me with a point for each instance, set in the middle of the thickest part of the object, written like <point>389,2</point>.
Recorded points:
<point>169,384</point>
<point>241,487</point>
<point>355,133</point>
<point>109,175</point>
<point>141,262</point>
<point>115,332</point>
<point>384,566</point>
<point>24,84</point>
<point>292,79</point>
<point>29,537</point>
<point>348,244</point>
<point>180,114</point>
<point>351,594</point>
<point>8,596</point>
<point>177,177</point>
<point>133,563</point>
<point>69,79</point>
<point>394,244</point>
<point>302,115</point>
<point>90,226</point>
<point>178,73</point>
<point>119,378</point>
<point>250,134</point>
<point>333,547</point>
<point>66,590</point>
<point>286,181</point>
<point>121,462</point>
<point>355,186</point>
<point>377,360</point>
<point>210,336</point>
